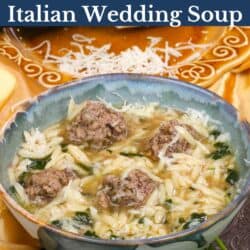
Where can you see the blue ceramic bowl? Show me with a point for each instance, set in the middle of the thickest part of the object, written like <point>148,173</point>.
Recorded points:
<point>51,107</point>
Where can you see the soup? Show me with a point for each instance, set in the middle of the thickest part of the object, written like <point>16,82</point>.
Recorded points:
<point>136,171</point>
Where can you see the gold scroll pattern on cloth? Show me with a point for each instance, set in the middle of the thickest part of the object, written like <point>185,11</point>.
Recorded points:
<point>31,69</point>
<point>224,69</point>
<point>231,51</point>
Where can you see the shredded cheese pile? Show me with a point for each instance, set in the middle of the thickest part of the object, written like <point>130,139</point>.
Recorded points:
<point>85,59</point>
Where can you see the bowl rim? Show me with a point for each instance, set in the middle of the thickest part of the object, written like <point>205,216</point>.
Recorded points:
<point>233,205</point>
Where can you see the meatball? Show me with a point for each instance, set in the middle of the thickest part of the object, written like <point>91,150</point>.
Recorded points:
<point>97,125</point>
<point>42,187</point>
<point>166,134</point>
<point>131,192</point>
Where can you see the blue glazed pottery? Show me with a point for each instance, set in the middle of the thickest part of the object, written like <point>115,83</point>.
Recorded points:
<point>51,107</point>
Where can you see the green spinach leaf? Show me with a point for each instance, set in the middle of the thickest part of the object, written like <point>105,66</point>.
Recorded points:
<point>168,203</point>
<point>12,191</point>
<point>23,177</point>
<point>89,169</point>
<point>141,220</point>
<point>83,218</point>
<point>215,133</point>
<point>38,164</point>
<point>195,219</point>
<point>91,234</point>
<point>222,149</point>
<point>181,220</point>
<point>57,223</point>
<point>232,176</point>
<point>131,154</point>
<point>115,237</point>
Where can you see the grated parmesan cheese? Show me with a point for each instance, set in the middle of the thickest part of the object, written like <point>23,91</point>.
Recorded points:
<point>84,59</point>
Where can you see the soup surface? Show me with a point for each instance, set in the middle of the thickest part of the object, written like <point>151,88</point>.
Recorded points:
<point>135,171</point>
